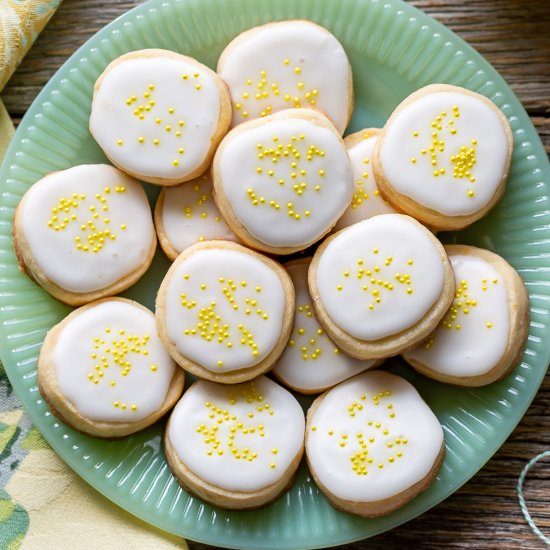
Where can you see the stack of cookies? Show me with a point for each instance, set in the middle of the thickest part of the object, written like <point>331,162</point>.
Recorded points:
<point>254,172</point>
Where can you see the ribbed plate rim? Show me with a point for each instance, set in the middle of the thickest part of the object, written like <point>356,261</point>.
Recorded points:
<point>428,26</point>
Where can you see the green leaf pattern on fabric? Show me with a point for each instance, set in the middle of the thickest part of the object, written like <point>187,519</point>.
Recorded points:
<point>15,443</point>
<point>14,522</point>
<point>34,441</point>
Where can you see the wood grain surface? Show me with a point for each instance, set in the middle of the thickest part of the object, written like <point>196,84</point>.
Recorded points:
<point>514,36</point>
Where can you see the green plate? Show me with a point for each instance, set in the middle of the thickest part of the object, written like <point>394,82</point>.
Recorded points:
<point>394,49</point>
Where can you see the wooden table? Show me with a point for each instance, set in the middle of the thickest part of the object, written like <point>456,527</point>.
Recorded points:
<point>515,37</point>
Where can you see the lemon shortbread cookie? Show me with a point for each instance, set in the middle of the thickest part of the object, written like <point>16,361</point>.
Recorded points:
<point>104,370</point>
<point>159,115</point>
<point>444,156</point>
<point>287,64</point>
<point>372,444</point>
<point>282,182</point>
<point>311,362</point>
<point>367,200</point>
<point>235,446</point>
<point>84,233</point>
<point>225,312</point>
<point>381,285</point>
<point>481,338</point>
<point>187,214</point>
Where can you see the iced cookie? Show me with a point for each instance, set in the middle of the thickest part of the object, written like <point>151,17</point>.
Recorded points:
<point>187,214</point>
<point>282,181</point>
<point>482,336</point>
<point>444,156</point>
<point>311,362</point>
<point>225,312</point>
<point>159,115</point>
<point>285,65</point>
<point>84,233</point>
<point>381,285</point>
<point>372,444</point>
<point>104,370</point>
<point>367,200</point>
<point>235,446</point>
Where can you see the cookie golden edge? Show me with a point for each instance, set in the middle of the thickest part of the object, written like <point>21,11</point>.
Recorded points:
<point>377,508</point>
<point>319,389</point>
<point>428,216</point>
<point>224,206</point>
<point>395,343</point>
<point>170,251</point>
<point>518,303</point>
<point>245,35</point>
<point>240,375</point>
<point>68,413</point>
<point>224,120</point>
<point>351,140</point>
<point>28,265</point>
<point>224,498</point>
<point>165,243</point>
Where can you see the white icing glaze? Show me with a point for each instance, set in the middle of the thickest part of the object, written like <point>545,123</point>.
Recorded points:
<point>241,437</point>
<point>473,336</point>
<point>366,201</point>
<point>372,437</point>
<point>224,309</point>
<point>288,199</point>
<point>87,226</point>
<point>189,214</point>
<point>470,162</point>
<point>166,130</point>
<point>379,277</point>
<point>311,361</point>
<point>111,364</point>
<point>285,65</point>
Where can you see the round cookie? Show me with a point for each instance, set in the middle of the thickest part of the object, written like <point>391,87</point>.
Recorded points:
<point>84,233</point>
<point>288,64</point>
<point>311,362</point>
<point>225,312</point>
<point>187,214</point>
<point>444,156</point>
<point>282,182</point>
<point>367,200</point>
<point>238,446</point>
<point>159,115</point>
<point>381,285</point>
<point>482,336</point>
<point>104,370</point>
<point>372,444</point>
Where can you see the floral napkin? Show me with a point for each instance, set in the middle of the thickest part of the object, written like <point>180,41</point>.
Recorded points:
<point>20,23</point>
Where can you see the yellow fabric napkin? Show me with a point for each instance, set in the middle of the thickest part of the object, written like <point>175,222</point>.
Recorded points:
<point>20,23</point>
<point>43,503</point>
<point>6,130</point>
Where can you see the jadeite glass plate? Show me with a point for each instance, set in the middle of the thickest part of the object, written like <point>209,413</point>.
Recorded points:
<point>394,49</point>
